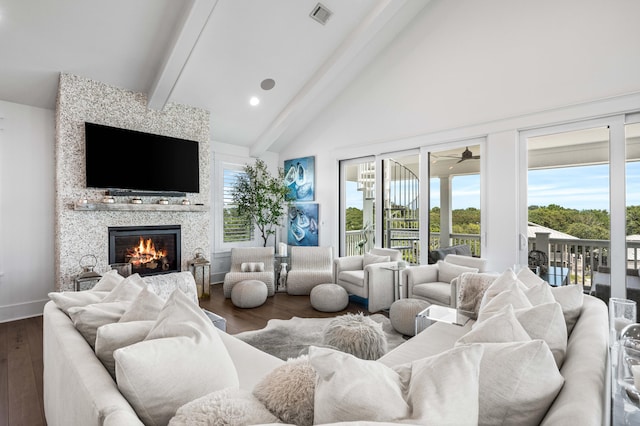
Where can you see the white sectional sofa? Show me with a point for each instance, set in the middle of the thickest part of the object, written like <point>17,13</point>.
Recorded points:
<point>78,389</point>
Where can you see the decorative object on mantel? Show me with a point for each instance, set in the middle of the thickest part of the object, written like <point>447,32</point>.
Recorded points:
<point>88,278</point>
<point>261,198</point>
<point>163,201</point>
<point>108,199</point>
<point>186,202</point>
<point>200,267</point>
<point>83,202</point>
<point>136,200</point>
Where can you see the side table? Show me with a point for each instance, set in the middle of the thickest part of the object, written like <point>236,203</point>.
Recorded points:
<point>397,281</point>
<point>437,313</point>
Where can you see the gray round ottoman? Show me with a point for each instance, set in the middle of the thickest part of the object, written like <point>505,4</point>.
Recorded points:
<point>402,314</point>
<point>329,298</point>
<point>249,294</point>
<point>357,335</point>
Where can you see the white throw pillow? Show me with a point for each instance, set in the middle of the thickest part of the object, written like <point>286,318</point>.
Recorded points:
<point>146,306</point>
<point>513,296</point>
<point>570,298</point>
<point>252,267</point>
<point>505,281</point>
<point>448,271</point>
<point>70,299</point>
<point>224,407</point>
<point>518,383</point>
<point>539,294</point>
<point>352,389</point>
<point>501,327</point>
<point>87,319</point>
<point>109,281</point>
<point>195,362</point>
<point>529,278</point>
<point>110,337</point>
<point>164,284</point>
<point>546,322</point>
<point>127,290</point>
<point>370,259</point>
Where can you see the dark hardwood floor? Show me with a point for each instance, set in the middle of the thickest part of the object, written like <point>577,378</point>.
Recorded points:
<point>21,402</point>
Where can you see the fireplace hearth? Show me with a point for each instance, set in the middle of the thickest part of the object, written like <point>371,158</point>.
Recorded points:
<point>151,250</point>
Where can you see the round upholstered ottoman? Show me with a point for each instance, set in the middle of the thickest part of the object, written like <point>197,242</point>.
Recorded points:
<point>249,294</point>
<point>402,314</point>
<point>329,298</point>
<point>357,335</point>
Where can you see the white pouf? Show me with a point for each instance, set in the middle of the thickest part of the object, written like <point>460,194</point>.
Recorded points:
<point>329,298</point>
<point>249,294</point>
<point>402,314</point>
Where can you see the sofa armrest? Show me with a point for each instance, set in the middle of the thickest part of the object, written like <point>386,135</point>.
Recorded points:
<point>347,263</point>
<point>419,275</point>
<point>381,285</point>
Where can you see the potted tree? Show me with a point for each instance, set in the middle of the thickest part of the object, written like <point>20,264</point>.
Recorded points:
<point>261,197</point>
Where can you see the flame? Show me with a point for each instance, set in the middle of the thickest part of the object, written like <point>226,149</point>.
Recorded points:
<point>144,252</point>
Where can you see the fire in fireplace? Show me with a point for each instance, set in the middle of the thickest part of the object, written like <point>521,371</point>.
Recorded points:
<point>150,249</point>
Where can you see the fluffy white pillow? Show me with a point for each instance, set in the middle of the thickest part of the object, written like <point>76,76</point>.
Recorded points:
<point>110,337</point>
<point>252,267</point>
<point>470,290</point>
<point>546,322</point>
<point>518,383</point>
<point>146,306</point>
<point>501,327</point>
<point>88,318</point>
<point>109,281</point>
<point>448,271</point>
<point>197,362</point>
<point>69,299</point>
<point>570,298</point>
<point>288,391</point>
<point>352,389</point>
<point>233,407</point>
<point>127,290</point>
<point>370,259</point>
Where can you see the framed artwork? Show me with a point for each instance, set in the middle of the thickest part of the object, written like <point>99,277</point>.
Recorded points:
<point>299,176</point>
<point>303,224</point>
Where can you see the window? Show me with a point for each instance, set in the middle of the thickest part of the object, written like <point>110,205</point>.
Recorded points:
<point>235,228</point>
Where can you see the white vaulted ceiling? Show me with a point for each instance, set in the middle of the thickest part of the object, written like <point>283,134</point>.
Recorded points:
<point>211,54</point>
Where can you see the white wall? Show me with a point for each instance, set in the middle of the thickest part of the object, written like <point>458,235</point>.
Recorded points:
<point>467,69</point>
<point>26,209</point>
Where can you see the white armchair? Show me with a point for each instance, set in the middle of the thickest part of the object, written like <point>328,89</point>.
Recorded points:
<point>364,276</point>
<point>310,266</point>
<point>258,265</point>
<point>433,282</point>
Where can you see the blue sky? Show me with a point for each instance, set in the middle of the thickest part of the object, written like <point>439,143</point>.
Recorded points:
<point>578,188</point>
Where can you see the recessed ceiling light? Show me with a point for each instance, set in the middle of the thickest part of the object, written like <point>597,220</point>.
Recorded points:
<point>267,84</point>
<point>254,101</point>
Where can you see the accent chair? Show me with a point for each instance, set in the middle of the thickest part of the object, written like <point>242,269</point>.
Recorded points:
<point>310,266</point>
<point>250,263</point>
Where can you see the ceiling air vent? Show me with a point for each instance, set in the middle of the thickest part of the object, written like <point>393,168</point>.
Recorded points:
<point>321,14</point>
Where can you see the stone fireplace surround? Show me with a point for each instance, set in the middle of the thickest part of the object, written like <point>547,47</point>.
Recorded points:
<point>84,230</point>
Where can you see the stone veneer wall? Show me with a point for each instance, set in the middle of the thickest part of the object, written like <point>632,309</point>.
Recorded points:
<point>86,232</point>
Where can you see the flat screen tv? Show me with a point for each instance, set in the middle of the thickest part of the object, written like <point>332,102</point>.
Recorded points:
<point>120,159</point>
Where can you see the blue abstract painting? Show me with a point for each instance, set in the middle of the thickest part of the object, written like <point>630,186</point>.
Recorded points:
<point>299,176</point>
<point>303,224</point>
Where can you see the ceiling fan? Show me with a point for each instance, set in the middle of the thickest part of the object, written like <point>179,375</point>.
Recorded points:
<point>468,155</point>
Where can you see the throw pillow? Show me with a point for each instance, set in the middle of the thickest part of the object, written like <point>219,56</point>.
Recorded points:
<point>232,407</point>
<point>512,296</point>
<point>184,340</point>
<point>570,298</point>
<point>529,278</point>
<point>252,267</point>
<point>164,284</point>
<point>68,299</point>
<point>502,327</point>
<point>539,294</point>
<point>110,337</point>
<point>448,271</point>
<point>370,259</point>
<point>546,322</point>
<point>88,318</point>
<point>504,281</point>
<point>352,389</point>
<point>127,290</point>
<point>109,281</point>
<point>518,383</point>
<point>146,306</point>
<point>470,290</point>
<point>288,391</point>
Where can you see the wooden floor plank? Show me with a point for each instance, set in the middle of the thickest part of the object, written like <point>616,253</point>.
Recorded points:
<point>4,375</point>
<point>34,333</point>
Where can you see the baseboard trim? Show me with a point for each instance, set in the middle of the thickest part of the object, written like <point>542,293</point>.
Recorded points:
<point>22,310</point>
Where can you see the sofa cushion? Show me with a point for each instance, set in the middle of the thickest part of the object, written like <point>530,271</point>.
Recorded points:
<point>126,290</point>
<point>435,292</point>
<point>501,327</point>
<point>146,306</point>
<point>546,322</point>
<point>164,284</point>
<point>351,389</point>
<point>288,391</point>
<point>110,337</point>
<point>448,271</point>
<point>539,294</point>
<point>570,298</point>
<point>370,259</point>
<point>109,281</point>
<point>352,277</point>
<point>529,278</point>
<point>196,362</point>
<point>69,299</point>
<point>223,407</point>
<point>87,319</point>
<point>513,295</point>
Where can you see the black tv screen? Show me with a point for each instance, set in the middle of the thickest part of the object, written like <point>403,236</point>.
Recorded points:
<point>137,161</point>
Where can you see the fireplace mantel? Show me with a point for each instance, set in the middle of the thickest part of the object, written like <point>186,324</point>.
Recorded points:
<point>89,207</point>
